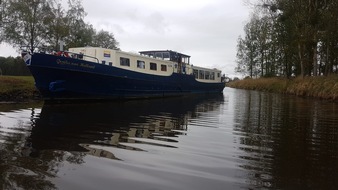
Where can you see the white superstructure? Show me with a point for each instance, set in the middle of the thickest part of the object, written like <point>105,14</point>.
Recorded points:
<point>162,63</point>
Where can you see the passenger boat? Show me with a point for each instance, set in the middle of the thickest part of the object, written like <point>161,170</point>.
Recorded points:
<point>99,73</point>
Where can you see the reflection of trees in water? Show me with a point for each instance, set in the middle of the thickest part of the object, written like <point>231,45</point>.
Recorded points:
<point>288,142</point>
<point>67,133</point>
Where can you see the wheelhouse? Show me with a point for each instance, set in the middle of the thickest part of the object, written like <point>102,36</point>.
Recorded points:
<point>167,55</point>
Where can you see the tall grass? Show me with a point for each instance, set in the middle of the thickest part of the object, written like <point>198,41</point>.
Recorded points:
<point>319,87</point>
<point>16,88</point>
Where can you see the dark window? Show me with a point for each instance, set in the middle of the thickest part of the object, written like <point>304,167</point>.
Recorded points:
<point>207,75</point>
<point>140,64</point>
<point>158,55</point>
<point>212,76</point>
<point>163,67</point>
<point>166,56</point>
<point>196,73</point>
<point>218,75</point>
<point>201,74</point>
<point>153,66</point>
<point>150,55</point>
<point>110,63</point>
<point>124,61</point>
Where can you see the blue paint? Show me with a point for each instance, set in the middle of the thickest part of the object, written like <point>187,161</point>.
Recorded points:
<point>67,78</point>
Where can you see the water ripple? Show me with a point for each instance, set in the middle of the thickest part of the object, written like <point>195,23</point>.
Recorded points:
<point>243,140</point>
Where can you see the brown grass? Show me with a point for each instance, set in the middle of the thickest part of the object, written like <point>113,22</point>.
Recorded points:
<point>319,87</point>
<point>17,88</point>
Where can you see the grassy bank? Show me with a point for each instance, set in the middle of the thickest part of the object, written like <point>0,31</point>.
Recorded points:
<point>319,87</point>
<point>17,88</point>
<point>21,88</point>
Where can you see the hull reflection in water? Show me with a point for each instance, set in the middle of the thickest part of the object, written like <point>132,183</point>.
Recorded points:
<point>80,127</point>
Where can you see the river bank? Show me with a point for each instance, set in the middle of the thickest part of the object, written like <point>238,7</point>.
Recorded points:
<point>21,88</point>
<point>18,89</point>
<point>317,87</point>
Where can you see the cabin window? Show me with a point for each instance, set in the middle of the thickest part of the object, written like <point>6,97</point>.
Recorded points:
<point>80,55</point>
<point>201,74</point>
<point>158,55</point>
<point>163,67</point>
<point>153,66</point>
<point>195,73</point>
<point>207,75</point>
<point>124,61</point>
<point>150,55</point>
<point>140,64</point>
<point>212,75</point>
<point>218,75</point>
<point>166,56</point>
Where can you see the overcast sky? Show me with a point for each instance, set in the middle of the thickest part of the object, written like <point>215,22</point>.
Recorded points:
<point>207,30</point>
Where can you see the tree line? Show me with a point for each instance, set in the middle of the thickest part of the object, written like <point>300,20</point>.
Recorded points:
<point>13,66</point>
<point>43,24</point>
<point>290,38</point>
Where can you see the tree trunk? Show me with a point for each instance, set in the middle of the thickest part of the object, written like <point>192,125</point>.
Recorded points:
<point>314,58</point>
<point>251,66</point>
<point>262,63</point>
<point>328,66</point>
<point>301,60</point>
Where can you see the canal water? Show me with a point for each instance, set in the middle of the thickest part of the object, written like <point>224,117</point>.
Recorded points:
<point>239,140</point>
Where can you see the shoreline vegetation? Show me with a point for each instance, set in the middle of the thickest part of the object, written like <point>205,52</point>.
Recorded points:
<point>18,89</point>
<point>322,87</point>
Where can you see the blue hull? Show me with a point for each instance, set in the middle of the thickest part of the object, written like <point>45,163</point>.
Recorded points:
<point>67,78</point>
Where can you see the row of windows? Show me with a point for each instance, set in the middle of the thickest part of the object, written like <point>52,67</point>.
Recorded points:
<point>207,75</point>
<point>141,64</point>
